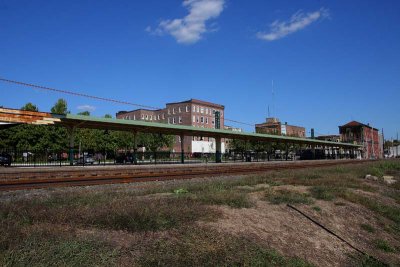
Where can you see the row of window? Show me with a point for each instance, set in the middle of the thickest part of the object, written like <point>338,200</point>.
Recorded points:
<point>201,119</point>
<point>207,111</point>
<point>174,120</point>
<point>179,109</point>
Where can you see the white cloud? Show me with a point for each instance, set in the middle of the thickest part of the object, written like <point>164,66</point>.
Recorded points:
<point>298,21</point>
<point>189,30</point>
<point>86,108</point>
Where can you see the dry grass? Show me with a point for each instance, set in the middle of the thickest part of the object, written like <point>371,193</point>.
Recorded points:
<point>42,231</point>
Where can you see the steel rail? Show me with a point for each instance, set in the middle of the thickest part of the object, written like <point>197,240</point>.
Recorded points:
<point>161,175</point>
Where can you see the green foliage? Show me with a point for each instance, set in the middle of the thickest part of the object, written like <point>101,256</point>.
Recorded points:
<point>37,251</point>
<point>84,113</point>
<point>60,107</point>
<point>384,246</point>
<point>367,227</point>
<point>325,192</point>
<point>316,208</point>
<point>30,107</point>
<point>42,138</point>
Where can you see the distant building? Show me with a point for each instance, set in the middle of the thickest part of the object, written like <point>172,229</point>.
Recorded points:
<point>363,134</point>
<point>330,138</point>
<point>274,126</point>
<point>193,112</point>
<point>228,142</point>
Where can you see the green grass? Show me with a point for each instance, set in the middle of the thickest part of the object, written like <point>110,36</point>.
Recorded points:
<point>384,246</point>
<point>45,249</point>
<point>326,192</point>
<point>317,209</point>
<point>288,197</point>
<point>205,247</point>
<point>124,213</point>
<point>368,228</point>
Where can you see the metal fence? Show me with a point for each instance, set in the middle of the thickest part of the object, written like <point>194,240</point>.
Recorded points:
<point>35,158</point>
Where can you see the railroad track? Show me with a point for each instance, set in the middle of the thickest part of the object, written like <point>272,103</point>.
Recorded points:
<point>80,178</point>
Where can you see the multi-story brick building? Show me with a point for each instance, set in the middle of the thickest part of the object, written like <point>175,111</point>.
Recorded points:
<point>193,112</point>
<point>363,134</point>
<point>274,126</point>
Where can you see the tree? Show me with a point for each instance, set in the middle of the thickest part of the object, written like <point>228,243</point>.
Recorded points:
<point>108,116</point>
<point>60,107</point>
<point>84,113</point>
<point>30,107</point>
<point>155,142</point>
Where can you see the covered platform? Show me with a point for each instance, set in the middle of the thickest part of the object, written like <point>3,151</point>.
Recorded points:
<point>72,122</point>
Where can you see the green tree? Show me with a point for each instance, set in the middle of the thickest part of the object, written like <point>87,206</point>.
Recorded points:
<point>155,142</point>
<point>108,116</point>
<point>60,107</point>
<point>84,113</point>
<point>30,107</point>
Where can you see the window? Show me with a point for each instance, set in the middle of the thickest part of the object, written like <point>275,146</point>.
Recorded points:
<point>169,121</point>
<point>197,119</point>
<point>163,116</point>
<point>142,116</point>
<point>180,110</point>
<point>194,108</point>
<point>151,117</point>
<point>169,112</point>
<point>194,118</point>
<point>173,120</point>
<point>180,119</point>
<point>173,110</point>
<point>187,108</point>
<point>158,117</point>
<point>198,109</point>
<point>202,119</point>
<point>212,122</point>
<point>146,117</point>
<point>206,111</point>
<point>206,120</point>
<point>202,110</point>
<point>134,117</point>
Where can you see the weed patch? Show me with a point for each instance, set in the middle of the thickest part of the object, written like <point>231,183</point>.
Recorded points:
<point>367,227</point>
<point>287,197</point>
<point>326,192</point>
<point>384,246</point>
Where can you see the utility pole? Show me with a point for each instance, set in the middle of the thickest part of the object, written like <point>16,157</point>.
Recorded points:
<point>397,146</point>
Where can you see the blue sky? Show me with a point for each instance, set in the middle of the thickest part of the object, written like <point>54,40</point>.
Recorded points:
<point>331,61</point>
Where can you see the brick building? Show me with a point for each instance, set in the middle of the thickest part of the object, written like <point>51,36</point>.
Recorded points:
<point>363,134</point>
<point>274,126</point>
<point>193,112</point>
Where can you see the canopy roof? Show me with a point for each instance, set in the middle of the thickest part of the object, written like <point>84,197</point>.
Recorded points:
<point>79,121</point>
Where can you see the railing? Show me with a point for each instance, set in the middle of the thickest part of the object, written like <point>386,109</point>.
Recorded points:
<point>36,158</point>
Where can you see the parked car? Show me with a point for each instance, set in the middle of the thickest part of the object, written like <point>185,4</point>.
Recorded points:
<point>85,160</point>
<point>5,159</point>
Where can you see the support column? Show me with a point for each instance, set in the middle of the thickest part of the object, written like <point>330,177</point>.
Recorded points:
<point>313,151</point>
<point>182,148</point>
<point>71,133</point>
<point>287,151</point>
<point>218,150</point>
<point>135,148</point>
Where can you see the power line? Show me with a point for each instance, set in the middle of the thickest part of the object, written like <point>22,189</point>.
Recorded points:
<point>94,97</point>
